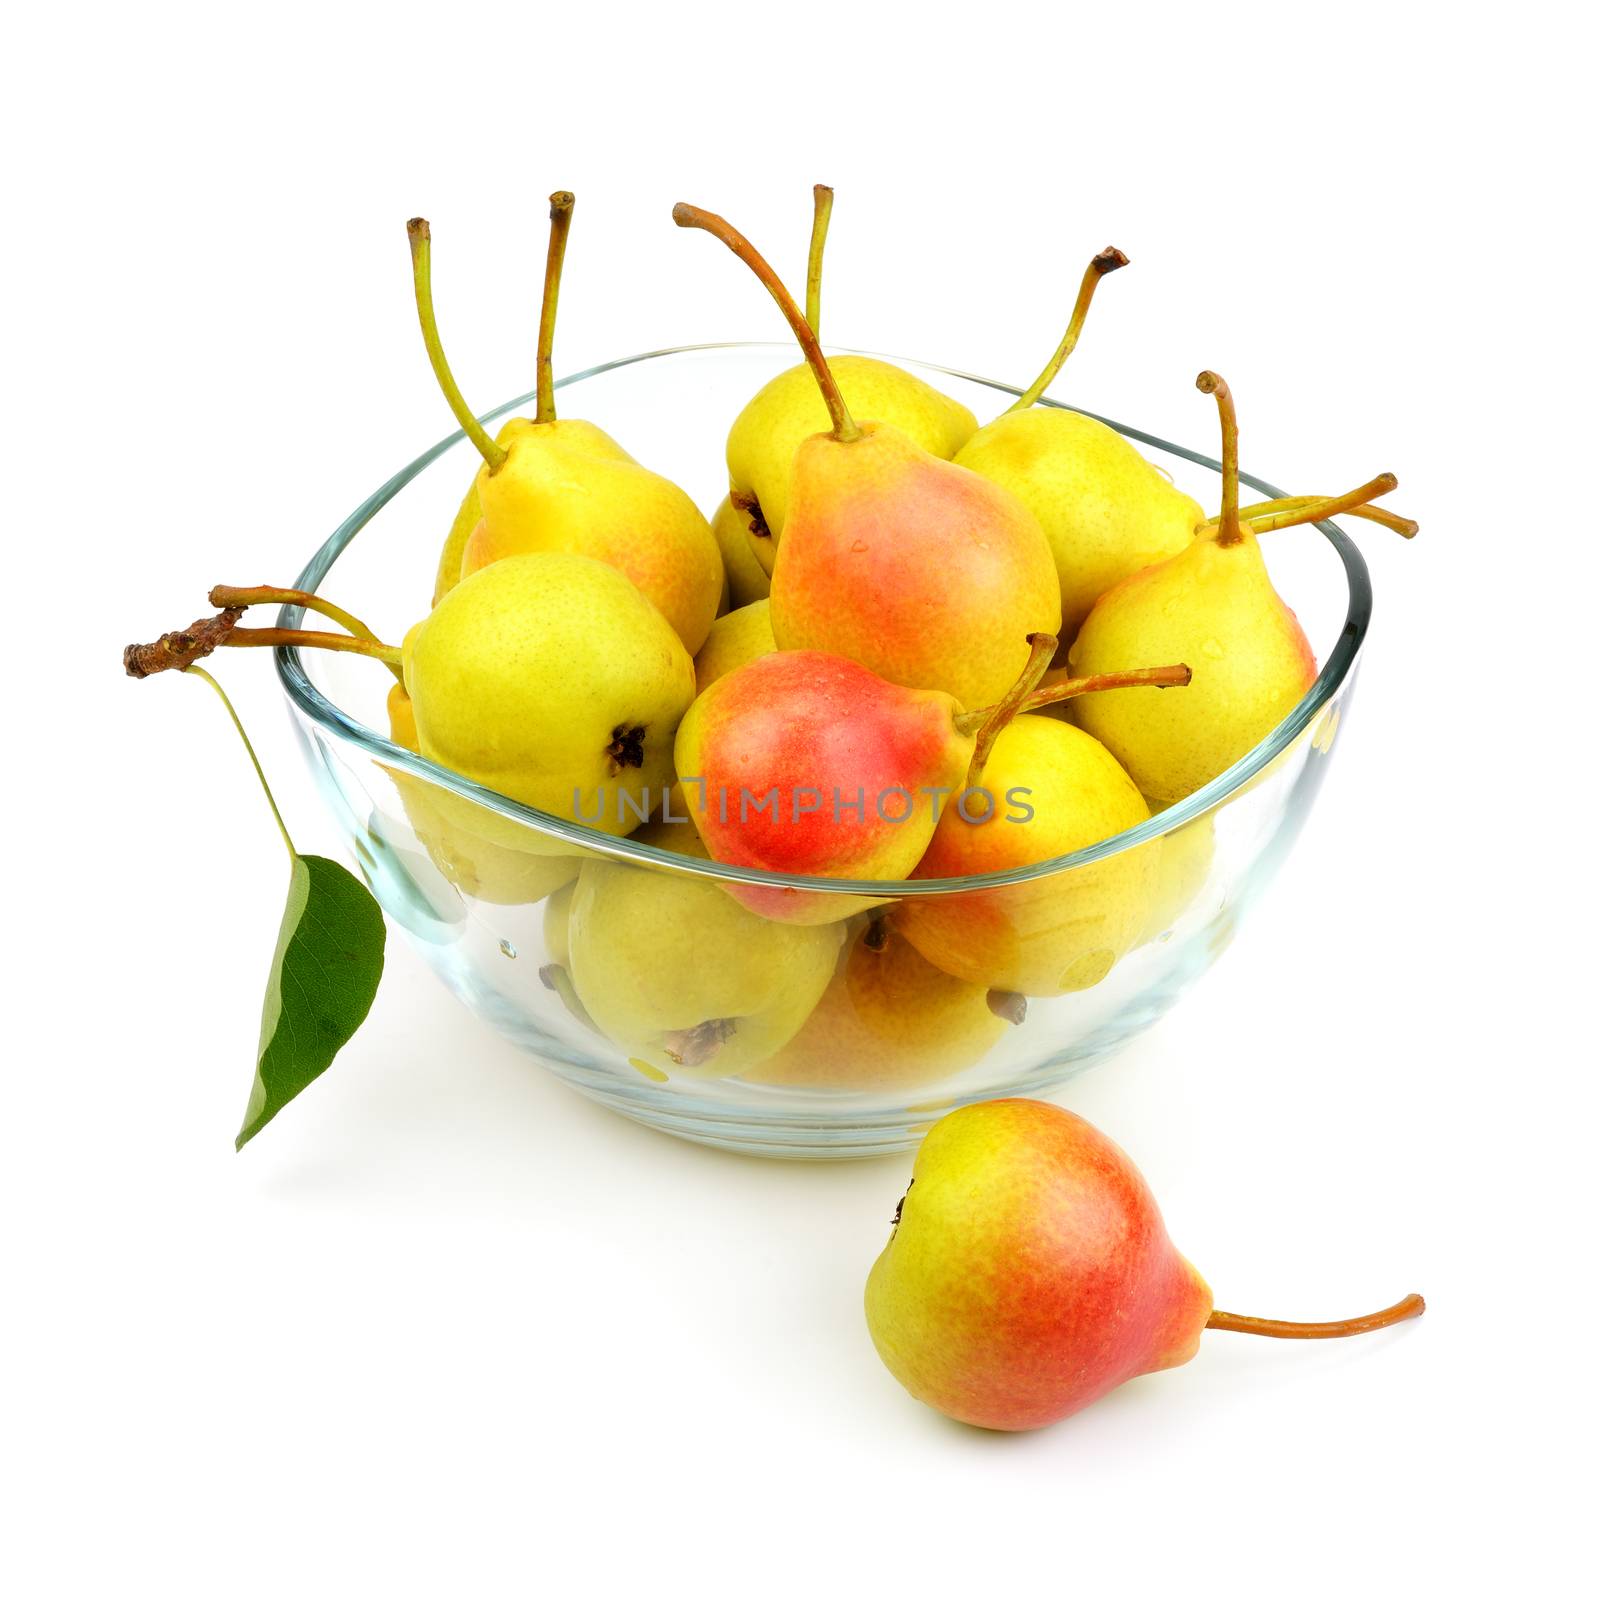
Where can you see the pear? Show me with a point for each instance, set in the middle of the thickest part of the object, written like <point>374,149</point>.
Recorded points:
<point>551,679</point>
<point>1029,1273</point>
<point>1183,867</point>
<point>917,568</point>
<point>1056,791</point>
<point>889,1020</point>
<point>680,975</point>
<point>748,580</point>
<point>1106,510</point>
<point>484,855</point>
<point>788,410</point>
<point>560,484</point>
<point>734,639</point>
<point>1212,605</point>
<point>811,764</point>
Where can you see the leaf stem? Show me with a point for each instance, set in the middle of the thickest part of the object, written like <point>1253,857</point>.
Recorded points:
<point>561,203</point>
<point>822,212</point>
<point>1401,1311</point>
<point>422,278</point>
<point>250,750</point>
<point>1108,260</point>
<point>686,216</point>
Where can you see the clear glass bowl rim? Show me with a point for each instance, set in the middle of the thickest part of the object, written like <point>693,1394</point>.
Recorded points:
<point>313,704</point>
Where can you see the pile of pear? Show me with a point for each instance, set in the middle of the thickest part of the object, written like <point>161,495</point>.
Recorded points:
<point>891,600</point>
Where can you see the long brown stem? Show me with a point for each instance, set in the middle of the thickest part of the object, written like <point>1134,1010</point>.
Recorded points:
<point>992,723</point>
<point>686,216</point>
<point>229,597</point>
<point>307,638</point>
<point>1401,1311</point>
<point>822,212</point>
<point>1108,260</point>
<point>1228,522</point>
<point>1174,677</point>
<point>561,203</point>
<point>1404,526</point>
<point>1332,506</point>
<point>421,238</point>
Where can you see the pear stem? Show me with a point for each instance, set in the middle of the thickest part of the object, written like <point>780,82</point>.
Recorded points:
<point>228,597</point>
<point>309,639</point>
<point>1108,260</point>
<point>1332,506</point>
<point>1401,1311</point>
<point>1174,677</point>
<point>989,724</point>
<point>422,278</point>
<point>1404,526</point>
<point>561,203</point>
<point>1228,522</point>
<point>822,212</point>
<point>249,750</point>
<point>686,216</point>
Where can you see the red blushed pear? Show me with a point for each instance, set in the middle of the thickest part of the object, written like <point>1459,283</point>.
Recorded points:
<point>921,570</point>
<point>1029,1273</point>
<point>556,484</point>
<point>1214,606</point>
<point>809,764</point>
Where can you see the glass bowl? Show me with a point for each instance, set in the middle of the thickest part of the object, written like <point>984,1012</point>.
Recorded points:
<point>640,976</point>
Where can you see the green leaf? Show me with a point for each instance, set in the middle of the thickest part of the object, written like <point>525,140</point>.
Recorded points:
<point>325,972</point>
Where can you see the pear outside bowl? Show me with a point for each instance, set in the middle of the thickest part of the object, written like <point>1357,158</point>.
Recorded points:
<point>642,977</point>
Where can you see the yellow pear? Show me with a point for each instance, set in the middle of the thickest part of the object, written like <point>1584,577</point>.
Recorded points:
<point>736,638</point>
<point>486,856</point>
<point>558,484</point>
<point>1105,509</point>
<point>679,975</point>
<point>1183,865</point>
<point>1054,790</point>
<point>1212,605</point>
<point>889,1020</point>
<point>551,679</point>
<point>748,580</point>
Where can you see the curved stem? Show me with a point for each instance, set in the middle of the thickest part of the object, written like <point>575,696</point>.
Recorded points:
<point>844,425</point>
<point>990,723</point>
<point>226,596</point>
<point>561,204</point>
<point>1332,506</point>
<point>250,750</point>
<point>422,279</point>
<point>306,638</point>
<point>822,211</point>
<point>1404,526</point>
<point>1174,677</point>
<point>1228,522</point>
<point>1401,1311</point>
<point>1108,260</point>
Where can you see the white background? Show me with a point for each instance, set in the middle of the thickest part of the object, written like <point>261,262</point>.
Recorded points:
<point>449,1329</point>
